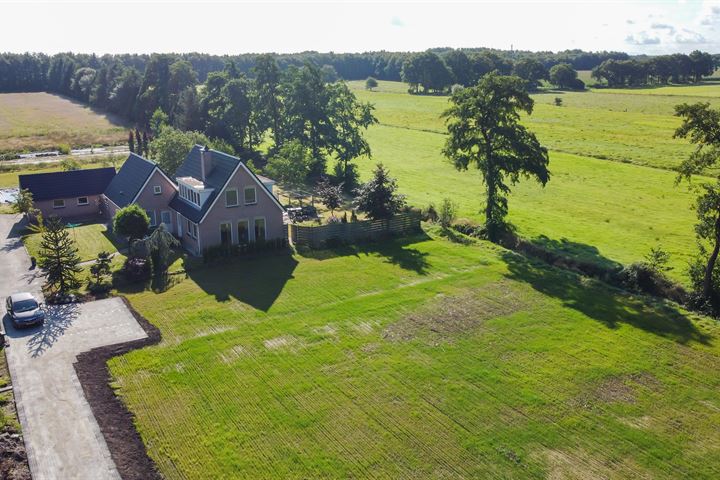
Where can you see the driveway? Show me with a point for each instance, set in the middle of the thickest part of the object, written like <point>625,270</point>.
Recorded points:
<point>62,438</point>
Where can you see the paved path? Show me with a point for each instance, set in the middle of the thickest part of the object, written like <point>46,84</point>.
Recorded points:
<point>62,438</point>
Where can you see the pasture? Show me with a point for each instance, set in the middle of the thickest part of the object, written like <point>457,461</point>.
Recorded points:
<point>612,194</point>
<point>419,358</point>
<point>44,121</point>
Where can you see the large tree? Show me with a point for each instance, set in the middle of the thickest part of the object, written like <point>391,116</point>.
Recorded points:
<point>484,130</point>
<point>532,71</point>
<point>59,258</point>
<point>378,198</point>
<point>269,101</point>
<point>701,124</point>
<point>170,147</point>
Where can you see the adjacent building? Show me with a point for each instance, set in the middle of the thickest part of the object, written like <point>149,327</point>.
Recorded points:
<point>212,199</point>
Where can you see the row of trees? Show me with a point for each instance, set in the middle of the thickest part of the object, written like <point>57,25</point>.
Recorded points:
<point>436,73</point>
<point>660,70</point>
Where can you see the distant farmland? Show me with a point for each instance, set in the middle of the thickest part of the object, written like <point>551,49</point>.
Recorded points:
<point>42,121</point>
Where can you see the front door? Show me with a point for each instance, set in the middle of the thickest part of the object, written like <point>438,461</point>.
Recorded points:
<point>225,234</point>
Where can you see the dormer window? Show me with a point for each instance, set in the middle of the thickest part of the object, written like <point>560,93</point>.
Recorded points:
<point>193,191</point>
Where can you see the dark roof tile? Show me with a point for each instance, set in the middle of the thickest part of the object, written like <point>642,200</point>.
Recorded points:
<point>70,184</point>
<point>129,180</point>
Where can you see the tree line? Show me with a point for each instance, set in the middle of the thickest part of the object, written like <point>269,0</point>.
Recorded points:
<point>660,70</point>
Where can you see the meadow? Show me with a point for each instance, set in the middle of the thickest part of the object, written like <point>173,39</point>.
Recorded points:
<point>612,194</point>
<point>43,121</point>
<point>419,358</point>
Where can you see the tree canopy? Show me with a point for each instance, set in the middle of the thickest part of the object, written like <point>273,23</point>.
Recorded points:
<point>484,131</point>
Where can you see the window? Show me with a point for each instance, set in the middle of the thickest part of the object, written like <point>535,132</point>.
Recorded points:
<point>231,198</point>
<point>250,195</point>
<point>58,203</point>
<point>157,189</point>
<point>189,228</point>
<point>259,229</point>
<point>243,232</point>
<point>166,218</point>
<point>225,234</point>
<point>83,200</point>
<point>195,230</point>
<point>151,214</point>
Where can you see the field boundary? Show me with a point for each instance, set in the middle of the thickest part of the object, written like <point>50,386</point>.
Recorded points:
<point>114,419</point>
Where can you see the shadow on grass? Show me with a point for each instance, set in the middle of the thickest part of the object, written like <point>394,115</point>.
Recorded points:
<point>395,251</point>
<point>119,243</point>
<point>578,251</point>
<point>602,303</point>
<point>255,281</point>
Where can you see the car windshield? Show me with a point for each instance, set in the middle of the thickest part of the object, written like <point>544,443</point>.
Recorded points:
<point>25,305</point>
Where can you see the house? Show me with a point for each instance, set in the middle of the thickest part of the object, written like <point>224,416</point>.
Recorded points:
<point>76,194</point>
<point>212,199</point>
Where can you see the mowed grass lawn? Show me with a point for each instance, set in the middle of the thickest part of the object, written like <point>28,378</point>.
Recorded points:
<point>41,121</point>
<point>595,209</point>
<point>89,239</point>
<point>419,358</point>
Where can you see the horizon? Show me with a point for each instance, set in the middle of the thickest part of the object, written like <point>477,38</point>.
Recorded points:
<point>288,27</point>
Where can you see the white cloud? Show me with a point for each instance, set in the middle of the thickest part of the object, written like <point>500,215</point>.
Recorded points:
<point>663,26</point>
<point>642,38</point>
<point>689,37</point>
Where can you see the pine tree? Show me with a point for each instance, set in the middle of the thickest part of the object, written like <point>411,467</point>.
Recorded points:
<point>131,141</point>
<point>59,258</point>
<point>138,143</point>
<point>100,270</point>
<point>145,144</point>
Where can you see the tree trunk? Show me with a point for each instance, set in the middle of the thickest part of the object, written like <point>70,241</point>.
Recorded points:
<point>707,281</point>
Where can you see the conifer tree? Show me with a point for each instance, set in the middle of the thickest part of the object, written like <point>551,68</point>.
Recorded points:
<point>59,258</point>
<point>131,141</point>
<point>138,143</point>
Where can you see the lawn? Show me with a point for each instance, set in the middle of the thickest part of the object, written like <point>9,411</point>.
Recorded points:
<point>90,240</point>
<point>43,121</point>
<point>419,358</point>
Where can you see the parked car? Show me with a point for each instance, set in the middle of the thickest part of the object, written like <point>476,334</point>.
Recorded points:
<point>24,310</point>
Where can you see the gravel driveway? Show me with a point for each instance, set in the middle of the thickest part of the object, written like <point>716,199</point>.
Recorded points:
<point>62,437</point>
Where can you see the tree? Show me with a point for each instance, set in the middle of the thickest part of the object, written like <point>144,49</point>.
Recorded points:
<point>563,75</point>
<point>484,129</point>
<point>23,202</point>
<point>160,244</point>
<point>426,69</point>
<point>59,258</point>
<point>170,147</point>
<point>447,213</point>
<point>139,143</point>
<point>330,195</point>
<point>370,83</point>
<point>290,165</point>
<point>131,142</point>
<point>100,271</point>
<point>131,222</point>
<point>701,64</point>
<point>330,75</point>
<point>460,66</point>
<point>267,86</point>
<point>378,198</point>
<point>701,124</point>
<point>530,70</point>
<point>158,120</point>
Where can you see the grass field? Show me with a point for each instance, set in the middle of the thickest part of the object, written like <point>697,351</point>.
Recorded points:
<point>90,240</point>
<point>419,359</point>
<point>595,209</point>
<point>43,121</point>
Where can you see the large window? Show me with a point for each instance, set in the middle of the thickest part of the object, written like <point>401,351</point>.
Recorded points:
<point>250,195</point>
<point>82,201</point>
<point>166,218</point>
<point>231,198</point>
<point>259,229</point>
<point>226,234</point>
<point>151,214</point>
<point>243,232</point>
<point>58,203</point>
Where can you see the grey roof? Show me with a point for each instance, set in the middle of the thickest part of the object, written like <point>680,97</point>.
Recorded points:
<point>73,183</point>
<point>129,180</point>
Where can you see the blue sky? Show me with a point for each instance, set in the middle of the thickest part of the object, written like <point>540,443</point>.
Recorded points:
<point>231,27</point>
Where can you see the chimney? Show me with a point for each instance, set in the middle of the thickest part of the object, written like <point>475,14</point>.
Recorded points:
<point>205,162</point>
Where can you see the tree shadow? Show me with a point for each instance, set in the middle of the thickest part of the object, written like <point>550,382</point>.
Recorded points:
<point>58,318</point>
<point>256,281</point>
<point>574,250</point>
<point>395,251</point>
<point>119,243</point>
<point>603,303</point>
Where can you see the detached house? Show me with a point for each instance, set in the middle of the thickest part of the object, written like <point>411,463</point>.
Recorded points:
<point>212,199</point>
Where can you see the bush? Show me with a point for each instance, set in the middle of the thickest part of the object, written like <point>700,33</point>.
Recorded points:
<point>429,214</point>
<point>469,228</point>
<point>131,222</point>
<point>332,219</point>
<point>447,213</point>
<point>456,88</point>
<point>137,269</point>
<point>64,149</point>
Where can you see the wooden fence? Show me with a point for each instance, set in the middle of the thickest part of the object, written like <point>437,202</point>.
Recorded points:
<point>354,232</point>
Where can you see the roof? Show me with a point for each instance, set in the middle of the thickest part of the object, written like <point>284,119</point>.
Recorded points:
<point>223,166</point>
<point>193,182</point>
<point>265,179</point>
<point>69,184</point>
<point>129,180</point>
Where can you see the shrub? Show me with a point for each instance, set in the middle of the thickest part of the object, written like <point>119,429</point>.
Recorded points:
<point>137,269</point>
<point>429,214</point>
<point>64,149</point>
<point>132,222</point>
<point>456,88</point>
<point>371,83</point>
<point>558,102</point>
<point>69,164</point>
<point>447,213</point>
<point>332,219</point>
<point>470,228</point>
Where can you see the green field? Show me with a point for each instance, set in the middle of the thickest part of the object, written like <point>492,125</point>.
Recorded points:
<point>43,121</point>
<point>603,201</point>
<point>89,239</point>
<point>419,359</point>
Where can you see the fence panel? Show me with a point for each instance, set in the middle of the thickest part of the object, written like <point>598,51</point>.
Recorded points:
<point>353,232</point>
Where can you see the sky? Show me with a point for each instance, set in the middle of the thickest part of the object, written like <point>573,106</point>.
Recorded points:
<point>232,27</point>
